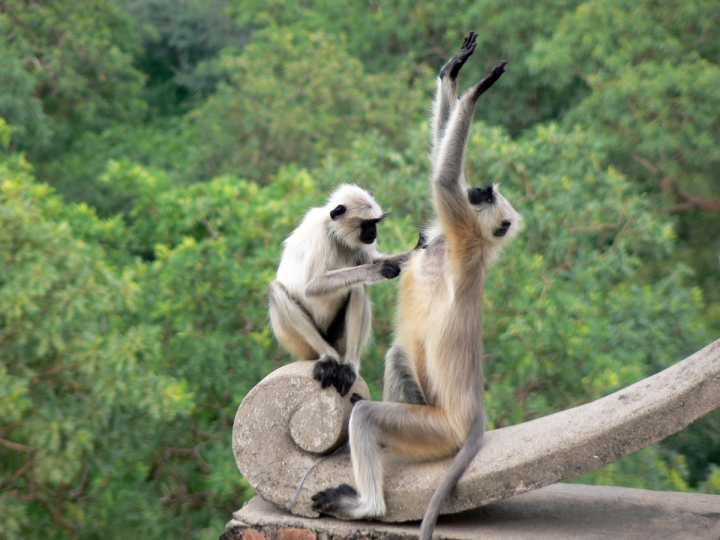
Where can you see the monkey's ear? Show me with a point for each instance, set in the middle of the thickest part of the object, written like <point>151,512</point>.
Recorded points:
<point>338,211</point>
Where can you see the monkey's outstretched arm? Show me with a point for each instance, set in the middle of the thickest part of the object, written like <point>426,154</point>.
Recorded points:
<point>446,93</point>
<point>347,277</point>
<point>403,257</point>
<point>451,202</point>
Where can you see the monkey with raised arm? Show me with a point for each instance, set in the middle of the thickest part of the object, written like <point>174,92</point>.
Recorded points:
<point>319,304</point>
<point>433,389</point>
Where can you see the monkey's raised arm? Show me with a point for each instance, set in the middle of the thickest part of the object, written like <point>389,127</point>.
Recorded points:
<point>345,278</point>
<point>451,201</point>
<point>446,93</point>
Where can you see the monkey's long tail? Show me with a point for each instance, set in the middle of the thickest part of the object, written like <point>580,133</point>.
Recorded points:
<point>459,465</point>
<point>344,447</point>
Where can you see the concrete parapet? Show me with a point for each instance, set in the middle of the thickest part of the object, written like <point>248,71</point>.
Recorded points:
<point>556,512</point>
<point>287,421</point>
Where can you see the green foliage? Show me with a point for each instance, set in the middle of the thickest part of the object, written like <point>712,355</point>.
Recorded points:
<point>126,343</point>
<point>179,38</point>
<point>653,68</point>
<point>654,95</point>
<point>385,34</point>
<point>645,469</point>
<point>163,145</point>
<point>68,70</point>
<point>213,250</point>
<point>292,96</point>
<point>18,102</point>
<point>712,483</point>
<point>81,378</point>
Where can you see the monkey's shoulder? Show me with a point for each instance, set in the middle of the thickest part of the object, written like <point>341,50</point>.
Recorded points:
<point>431,260</point>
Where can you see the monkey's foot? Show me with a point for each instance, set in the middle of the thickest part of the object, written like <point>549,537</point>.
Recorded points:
<point>335,500</point>
<point>325,371</point>
<point>355,398</point>
<point>331,373</point>
<point>345,378</point>
<point>344,502</point>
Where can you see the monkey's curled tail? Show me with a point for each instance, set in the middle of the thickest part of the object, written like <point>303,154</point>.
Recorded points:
<point>459,465</point>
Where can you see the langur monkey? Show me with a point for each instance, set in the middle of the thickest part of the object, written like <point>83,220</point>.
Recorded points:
<point>433,387</point>
<point>319,304</point>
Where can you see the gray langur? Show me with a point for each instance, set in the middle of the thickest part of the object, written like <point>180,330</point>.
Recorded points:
<point>433,387</point>
<point>319,304</point>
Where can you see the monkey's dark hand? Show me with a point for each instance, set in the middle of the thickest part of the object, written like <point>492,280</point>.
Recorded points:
<point>481,87</point>
<point>325,371</point>
<point>452,68</point>
<point>355,398</point>
<point>344,379</point>
<point>390,269</point>
<point>330,501</point>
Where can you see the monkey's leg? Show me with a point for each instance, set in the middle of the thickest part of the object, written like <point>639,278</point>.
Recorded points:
<point>419,431</point>
<point>294,328</point>
<point>358,318</point>
<point>400,384</point>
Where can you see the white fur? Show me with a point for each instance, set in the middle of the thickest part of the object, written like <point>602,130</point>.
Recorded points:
<point>324,260</point>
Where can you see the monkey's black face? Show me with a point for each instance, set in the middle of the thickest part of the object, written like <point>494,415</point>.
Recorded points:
<point>486,197</point>
<point>368,230</point>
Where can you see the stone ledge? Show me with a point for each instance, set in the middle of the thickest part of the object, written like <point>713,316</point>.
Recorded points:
<point>556,512</point>
<point>512,460</point>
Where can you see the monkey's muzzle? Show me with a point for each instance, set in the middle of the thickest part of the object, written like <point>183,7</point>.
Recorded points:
<point>503,229</point>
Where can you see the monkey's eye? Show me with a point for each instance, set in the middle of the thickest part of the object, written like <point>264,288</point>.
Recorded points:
<point>481,195</point>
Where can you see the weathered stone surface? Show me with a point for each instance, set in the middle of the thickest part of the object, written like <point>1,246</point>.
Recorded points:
<point>513,460</point>
<point>284,423</point>
<point>556,512</point>
<point>320,422</point>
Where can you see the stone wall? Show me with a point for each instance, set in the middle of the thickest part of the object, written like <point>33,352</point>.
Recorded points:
<point>556,512</point>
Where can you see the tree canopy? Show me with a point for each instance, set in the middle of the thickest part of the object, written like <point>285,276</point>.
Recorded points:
<point>155,154</point>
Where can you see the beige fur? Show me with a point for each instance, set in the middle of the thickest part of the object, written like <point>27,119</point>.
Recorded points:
<point>433,378</point>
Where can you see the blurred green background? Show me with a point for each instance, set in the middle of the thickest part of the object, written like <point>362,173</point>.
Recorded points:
<point>154,154</point>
